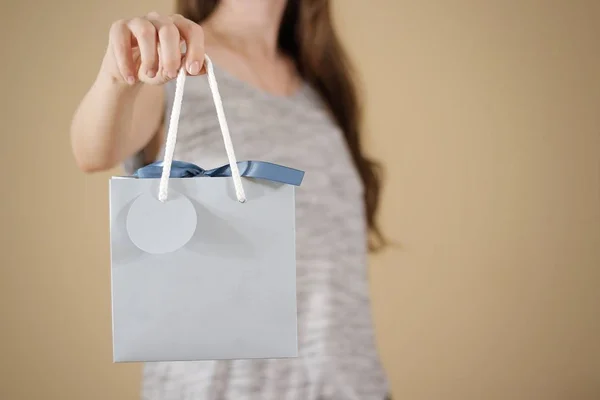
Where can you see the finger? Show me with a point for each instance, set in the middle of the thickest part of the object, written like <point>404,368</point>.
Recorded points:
<point>120,43</point>
<point>193,35</point>
<point>145,35</point>
<point>153,15</point>
<point>169,51</point>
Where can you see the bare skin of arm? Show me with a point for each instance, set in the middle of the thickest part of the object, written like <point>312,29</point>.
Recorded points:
<point>122,113</point>
<point>114,122</point>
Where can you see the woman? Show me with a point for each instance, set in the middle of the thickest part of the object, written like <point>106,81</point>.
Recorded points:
<point>289,99</point>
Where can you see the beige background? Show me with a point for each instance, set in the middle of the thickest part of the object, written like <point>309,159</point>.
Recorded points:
<point>487,114</point>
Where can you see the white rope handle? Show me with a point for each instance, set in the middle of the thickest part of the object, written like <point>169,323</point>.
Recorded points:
<point>174,125</point>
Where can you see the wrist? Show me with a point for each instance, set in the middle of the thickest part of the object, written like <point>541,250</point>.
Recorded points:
<point>113,84</point>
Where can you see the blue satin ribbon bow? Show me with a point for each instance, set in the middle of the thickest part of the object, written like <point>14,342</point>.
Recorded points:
<point>249,169</point>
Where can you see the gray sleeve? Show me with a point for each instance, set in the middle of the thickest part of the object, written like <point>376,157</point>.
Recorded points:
<point>131,164</point>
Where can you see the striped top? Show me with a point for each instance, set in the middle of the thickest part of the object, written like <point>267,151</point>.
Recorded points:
<point>338,357</point>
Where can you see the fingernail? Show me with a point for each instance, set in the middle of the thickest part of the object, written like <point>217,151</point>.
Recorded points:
<point>151,73</point>
<point>194,68</point>
<point>130,80</point>
<point>172,74</point>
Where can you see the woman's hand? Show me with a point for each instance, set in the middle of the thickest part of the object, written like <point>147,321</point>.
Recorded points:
<point>149,49</point>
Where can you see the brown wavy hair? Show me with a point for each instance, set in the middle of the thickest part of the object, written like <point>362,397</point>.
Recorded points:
<point>308,37</point>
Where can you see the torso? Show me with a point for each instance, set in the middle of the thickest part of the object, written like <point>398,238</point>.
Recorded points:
<point>338,357</point>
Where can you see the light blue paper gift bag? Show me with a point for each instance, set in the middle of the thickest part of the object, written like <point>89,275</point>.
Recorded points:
<point>203,263</point>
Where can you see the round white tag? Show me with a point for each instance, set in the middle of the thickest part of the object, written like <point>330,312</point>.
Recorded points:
<point>158,228</point>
